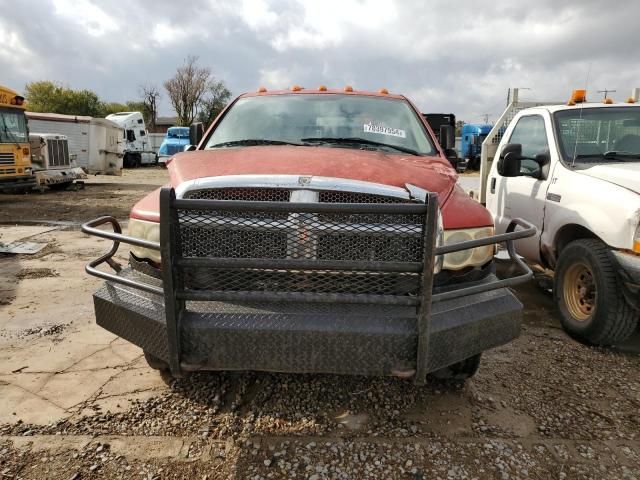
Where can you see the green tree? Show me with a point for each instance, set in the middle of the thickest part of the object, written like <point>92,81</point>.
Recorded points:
<point>46,96</point>
<point>215,99</point>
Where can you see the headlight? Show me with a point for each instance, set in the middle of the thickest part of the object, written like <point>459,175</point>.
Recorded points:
<point>474,257</point>
<point>145,230</point>
<point>636,240</point>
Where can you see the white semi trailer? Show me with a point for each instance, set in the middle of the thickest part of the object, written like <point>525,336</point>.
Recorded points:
<point>138,149</point>
<point>98,144</point>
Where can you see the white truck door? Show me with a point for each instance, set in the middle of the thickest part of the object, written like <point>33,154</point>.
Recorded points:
<point>523,196</point>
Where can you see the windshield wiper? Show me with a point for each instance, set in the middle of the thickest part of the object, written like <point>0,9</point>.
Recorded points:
<point>360,141</point>
<point>610,155</point>
<point>620,154</point>
<point>249,142</point>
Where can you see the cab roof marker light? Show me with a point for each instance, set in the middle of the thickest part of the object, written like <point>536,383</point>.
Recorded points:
<point>348,88</point>
<point>631,100</point>
<point>262,90</point>
<point>296,88</point>
<point>322,88</point>
<point>579,96</point>
<point>608,101</point>
<point>383,91</point>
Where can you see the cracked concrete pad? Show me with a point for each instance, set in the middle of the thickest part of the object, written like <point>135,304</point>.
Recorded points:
<point>103,358</point>
<point>28,407</point>
<point>31,382</point>
<point>42,355</point>
<point>72,388</point>
<point>126,350</point>
<point>130,381</point>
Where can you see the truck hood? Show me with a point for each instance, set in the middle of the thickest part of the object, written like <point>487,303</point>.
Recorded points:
<point>626,175</point>
<point>430,173</point>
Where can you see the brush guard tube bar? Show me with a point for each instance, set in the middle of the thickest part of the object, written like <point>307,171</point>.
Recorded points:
<point>175,264</point>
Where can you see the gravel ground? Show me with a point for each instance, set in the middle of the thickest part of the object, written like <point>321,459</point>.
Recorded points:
<point>541,407</point>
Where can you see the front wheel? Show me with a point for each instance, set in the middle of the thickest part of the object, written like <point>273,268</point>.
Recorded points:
<point>155,362</point>
<point>589,295</point>
<point>460,371</point>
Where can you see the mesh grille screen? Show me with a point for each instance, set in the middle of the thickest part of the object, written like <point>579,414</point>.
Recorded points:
<point>305,236</point>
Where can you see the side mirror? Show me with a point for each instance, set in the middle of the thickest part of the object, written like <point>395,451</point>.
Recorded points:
<point>447,137</point>
<point>196,132</point>
<point>543,159</point>
<point>189,148</point>
<point>509,162</point>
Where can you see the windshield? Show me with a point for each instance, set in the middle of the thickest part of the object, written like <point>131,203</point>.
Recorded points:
<point>178,132</point>
<point>323,119</point>
<point>13,126</point>
<point>599,135</point>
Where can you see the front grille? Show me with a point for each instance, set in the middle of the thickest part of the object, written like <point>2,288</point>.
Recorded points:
<point>7,158</point>
<point>58,150</point>
<point>250,194</point>
<point>7,171</point>
<point>304,236</point>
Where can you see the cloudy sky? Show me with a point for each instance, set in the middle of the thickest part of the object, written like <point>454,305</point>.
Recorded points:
<point>458,56</point>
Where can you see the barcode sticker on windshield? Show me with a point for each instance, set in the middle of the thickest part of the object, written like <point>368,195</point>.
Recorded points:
<point>382,130</point>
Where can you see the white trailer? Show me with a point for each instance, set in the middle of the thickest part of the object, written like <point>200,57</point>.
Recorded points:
<point>137,150</point>
<point>106,147</point>
<point>97,143</point>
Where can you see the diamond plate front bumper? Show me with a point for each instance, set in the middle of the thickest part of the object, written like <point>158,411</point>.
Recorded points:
<point>304,337</point>
<point>295,307</point>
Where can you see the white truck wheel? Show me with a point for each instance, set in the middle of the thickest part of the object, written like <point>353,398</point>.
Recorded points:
<point>588,293</point>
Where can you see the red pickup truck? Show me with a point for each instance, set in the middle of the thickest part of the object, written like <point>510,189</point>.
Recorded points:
<point>311,230</point>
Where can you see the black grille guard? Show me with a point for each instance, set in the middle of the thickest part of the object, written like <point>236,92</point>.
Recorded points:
<point>174,264</point>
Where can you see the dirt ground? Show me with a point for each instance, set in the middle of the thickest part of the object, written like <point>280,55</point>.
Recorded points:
<point>76,402</point>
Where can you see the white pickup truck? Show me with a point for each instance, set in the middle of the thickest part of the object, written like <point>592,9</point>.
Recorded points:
<point>574,172</point>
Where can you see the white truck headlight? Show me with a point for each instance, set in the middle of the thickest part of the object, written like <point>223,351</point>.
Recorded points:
<point>145,230</point>
<point>474,257</point>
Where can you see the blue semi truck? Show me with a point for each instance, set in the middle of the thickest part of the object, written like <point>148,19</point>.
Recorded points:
<point>472,136</point>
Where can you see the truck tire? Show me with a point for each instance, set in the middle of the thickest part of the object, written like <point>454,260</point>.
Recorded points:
<point>588,293</point>
<point>460,371</point>
<point>155,362</point>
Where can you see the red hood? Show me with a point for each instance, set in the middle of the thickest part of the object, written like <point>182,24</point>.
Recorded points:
<point>430,173</point>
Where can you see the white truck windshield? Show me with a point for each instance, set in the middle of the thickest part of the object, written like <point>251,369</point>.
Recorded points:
<point>13,126</point>
<point>599,134</point>
<point>323,119</point>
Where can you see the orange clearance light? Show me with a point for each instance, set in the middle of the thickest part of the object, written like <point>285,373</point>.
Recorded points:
<point>383,91</point>
<point>631,100</point>
<point>579,96</point>
<point>296,88</point>
<point>25,151</point>
<point>348,88</point>
<point>636,246</point>
<point>322,88</point>
<point>262,89</point>
<point>608,101</point>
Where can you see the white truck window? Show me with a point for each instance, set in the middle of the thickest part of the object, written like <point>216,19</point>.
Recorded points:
<point>531,134</point>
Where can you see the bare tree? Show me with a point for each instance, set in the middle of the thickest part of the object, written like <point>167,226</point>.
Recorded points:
<point>150,96</point>
<point>187,88</point>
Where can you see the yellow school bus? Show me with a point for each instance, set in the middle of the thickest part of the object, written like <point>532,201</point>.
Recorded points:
<point>15,156</point>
